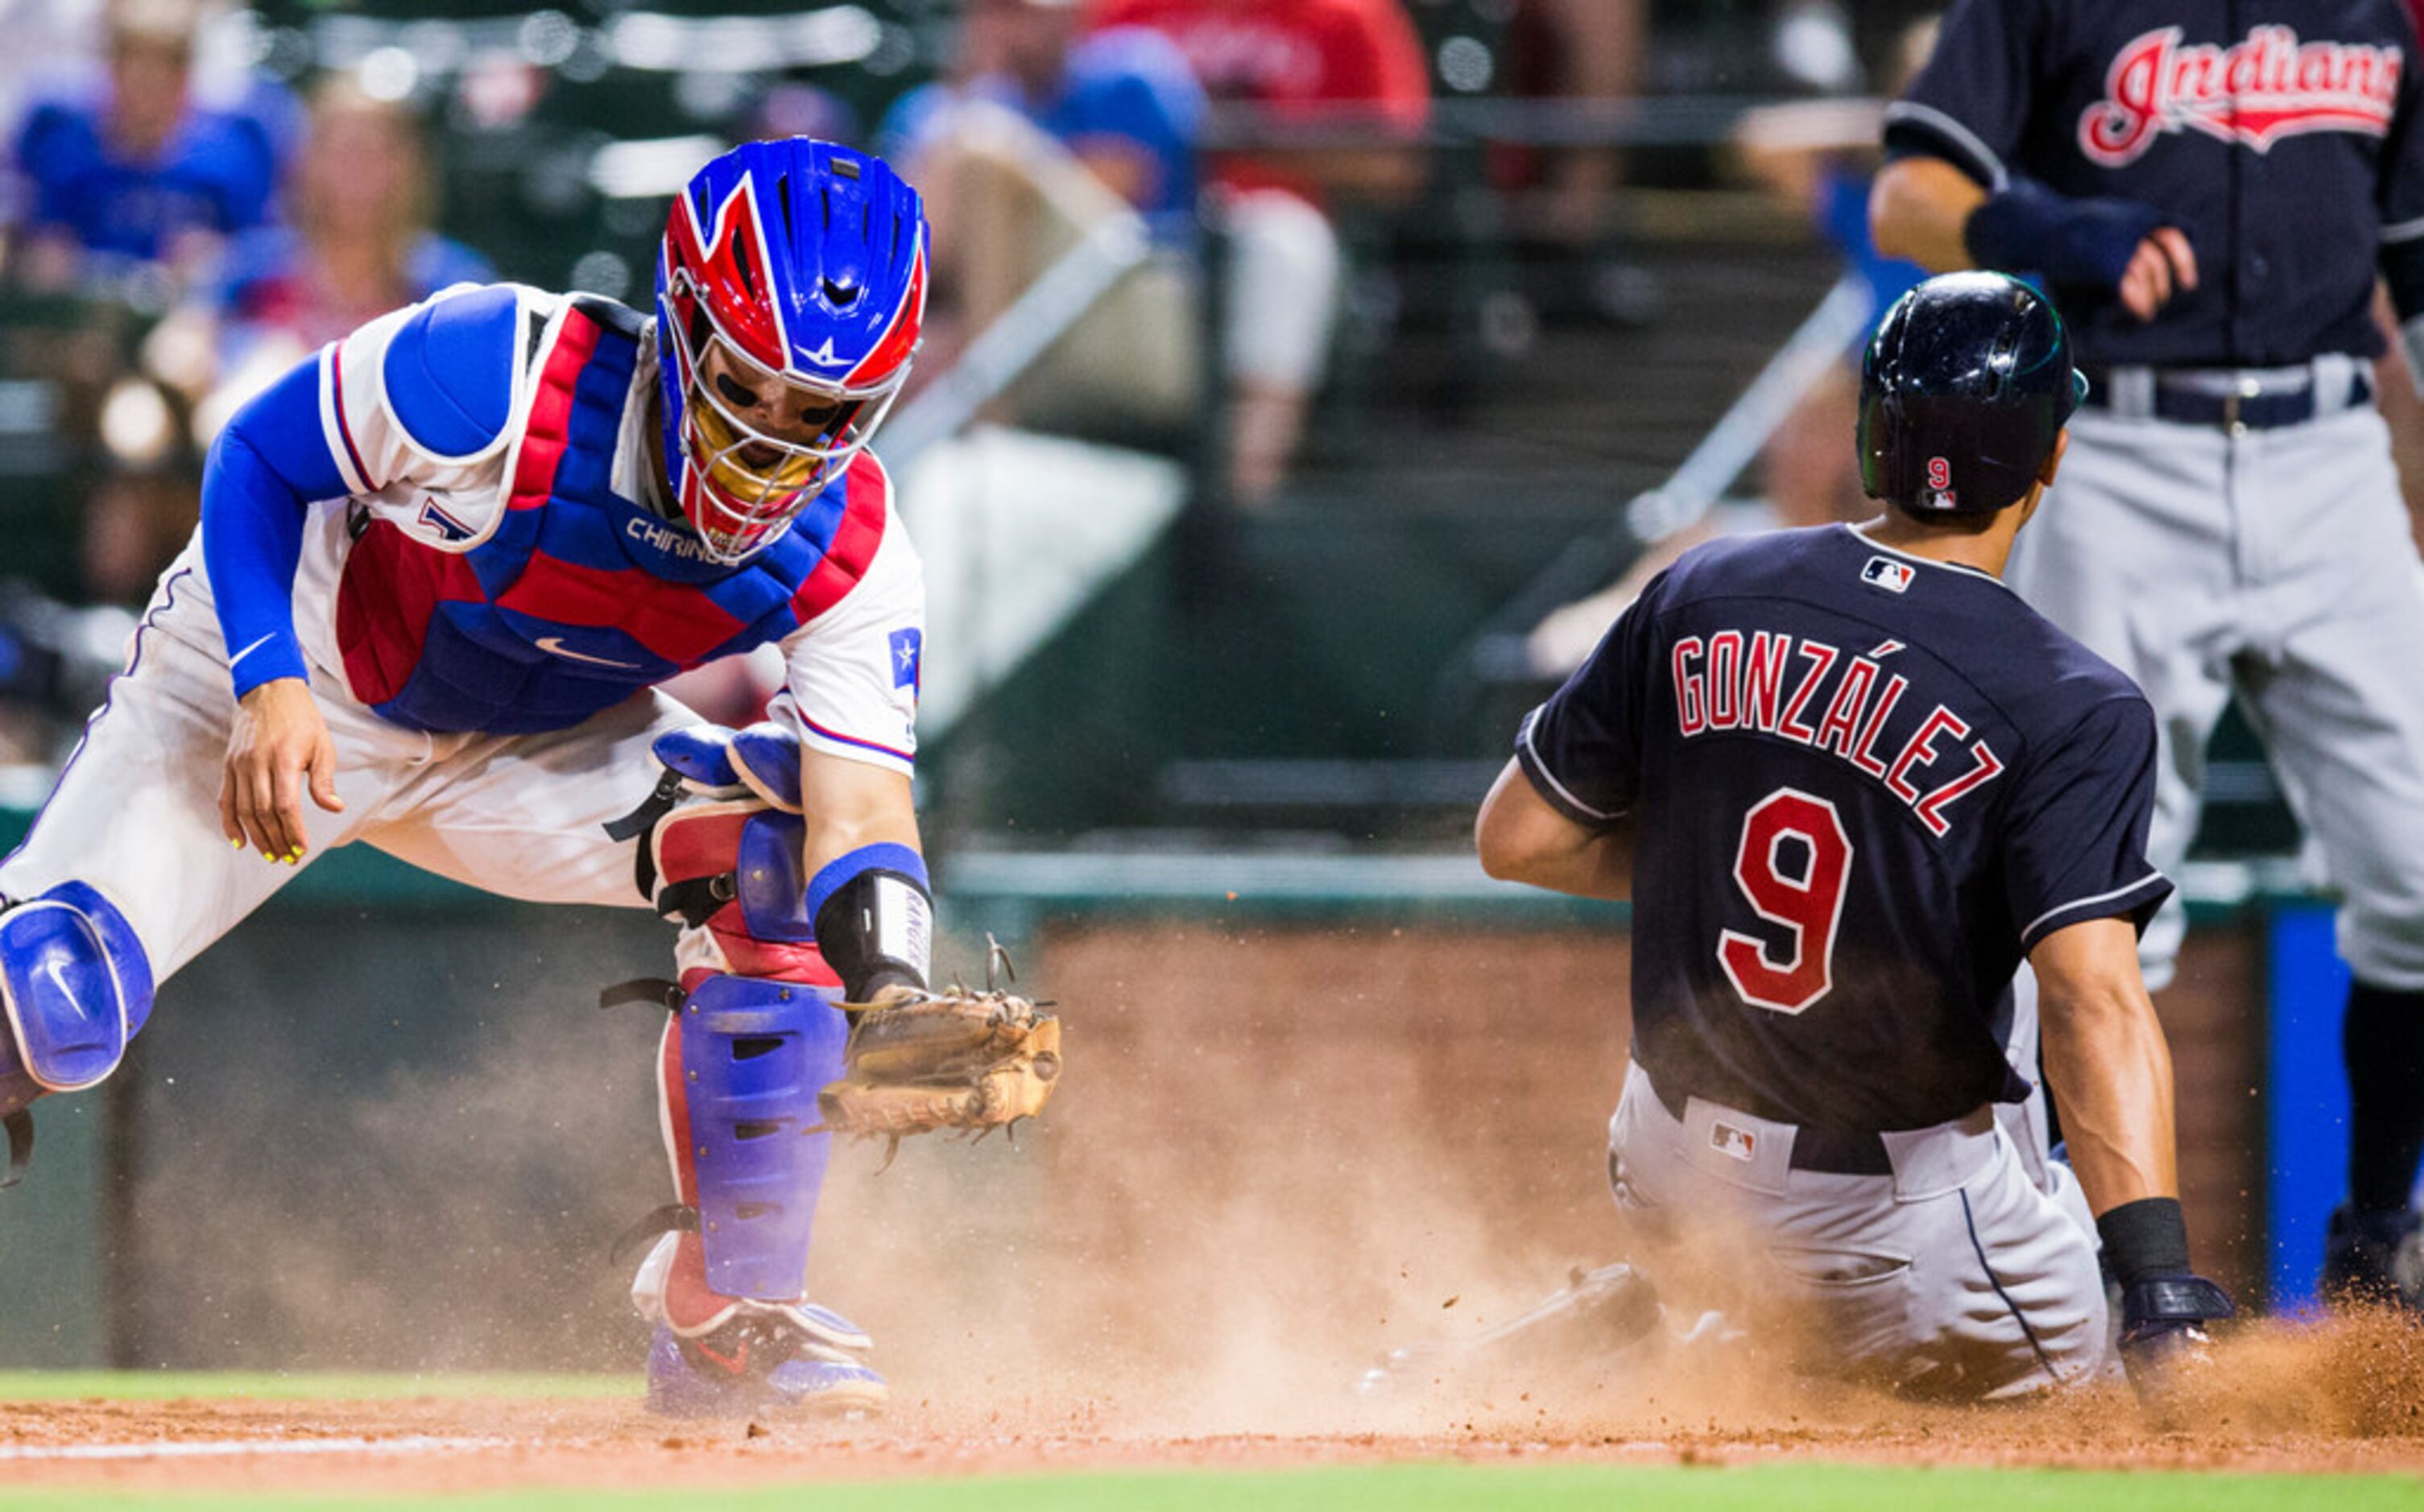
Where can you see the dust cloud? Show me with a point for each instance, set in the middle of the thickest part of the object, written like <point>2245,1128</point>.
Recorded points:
<point>1272,1159</point>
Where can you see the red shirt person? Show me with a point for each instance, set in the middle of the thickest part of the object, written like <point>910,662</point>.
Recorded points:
<point>1324,62</point>
<point>1328,63</point>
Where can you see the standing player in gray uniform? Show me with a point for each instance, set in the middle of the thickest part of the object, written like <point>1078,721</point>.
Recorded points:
<point>1867,780</point>
<point>2210,186</point>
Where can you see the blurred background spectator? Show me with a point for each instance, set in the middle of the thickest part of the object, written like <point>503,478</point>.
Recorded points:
<point>128,174</point>
<point>1563,204</point>
<point>357,241</point>
<point>1816,156</point>
<point>1349,77</point>
<point>1037,137</point>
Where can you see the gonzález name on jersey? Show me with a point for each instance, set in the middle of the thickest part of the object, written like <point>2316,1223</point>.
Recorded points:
<point>1778,684</point>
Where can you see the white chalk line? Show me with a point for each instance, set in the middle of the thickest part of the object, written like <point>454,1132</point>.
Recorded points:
<point>228,1448</point>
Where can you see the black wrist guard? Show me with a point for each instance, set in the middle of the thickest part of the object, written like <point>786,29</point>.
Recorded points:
<point>2158,1311</point>
<point>2148,1237</point>
<point>877,930</point>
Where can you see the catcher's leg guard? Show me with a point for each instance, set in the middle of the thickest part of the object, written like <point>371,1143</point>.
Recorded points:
<point>741,1066</point>
<point>754,1036</point>
<point>743,1062</point>
<point>75,986</point>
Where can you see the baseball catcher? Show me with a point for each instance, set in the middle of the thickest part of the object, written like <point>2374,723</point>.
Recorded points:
<point>443,565</point>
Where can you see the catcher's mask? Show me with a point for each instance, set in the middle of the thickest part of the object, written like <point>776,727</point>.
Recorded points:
<point>791,292</point>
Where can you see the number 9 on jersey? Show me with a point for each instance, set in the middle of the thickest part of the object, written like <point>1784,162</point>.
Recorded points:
<point>1788,827</point>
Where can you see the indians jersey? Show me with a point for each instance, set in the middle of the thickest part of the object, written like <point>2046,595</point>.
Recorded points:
<point>2280,137</point>
<point>1862,787</point>
<point>516,577</point>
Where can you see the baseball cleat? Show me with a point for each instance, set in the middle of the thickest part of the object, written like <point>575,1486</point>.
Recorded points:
<point>2374,1257</point>
<point>749,1367</point>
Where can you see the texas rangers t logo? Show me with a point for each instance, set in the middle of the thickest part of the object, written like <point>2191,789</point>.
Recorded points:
<point>449,529</point>
<point>2254,92</point>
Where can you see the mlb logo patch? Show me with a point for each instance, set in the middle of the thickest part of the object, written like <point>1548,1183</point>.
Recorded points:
<point>1885,572</point>
<point>1727,1139</point>
<point>908,647</point>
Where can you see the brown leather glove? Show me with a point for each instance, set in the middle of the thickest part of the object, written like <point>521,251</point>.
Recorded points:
<point>918,1062</point>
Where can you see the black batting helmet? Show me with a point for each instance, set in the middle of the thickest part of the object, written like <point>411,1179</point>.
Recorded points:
<point>1966,386</point>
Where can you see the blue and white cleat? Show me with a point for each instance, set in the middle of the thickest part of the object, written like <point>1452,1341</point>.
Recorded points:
<point>804,1361</point>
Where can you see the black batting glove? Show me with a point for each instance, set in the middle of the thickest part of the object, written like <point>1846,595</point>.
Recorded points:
<point>2164,1307</point>
<point>2163,1317</point>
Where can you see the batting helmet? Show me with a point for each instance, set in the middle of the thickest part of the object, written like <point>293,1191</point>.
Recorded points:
<point>1966,386</point>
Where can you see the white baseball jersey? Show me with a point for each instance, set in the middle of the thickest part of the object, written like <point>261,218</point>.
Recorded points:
<point>481,608</point>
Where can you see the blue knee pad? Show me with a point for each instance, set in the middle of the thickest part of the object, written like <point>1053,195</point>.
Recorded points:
<point>762,759</point>
<point>754,1054</point>
<point>75,984</point>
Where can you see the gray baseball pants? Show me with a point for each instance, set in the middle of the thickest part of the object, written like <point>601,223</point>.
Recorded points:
<point>2278,563</point>
<point>1960,1275</point>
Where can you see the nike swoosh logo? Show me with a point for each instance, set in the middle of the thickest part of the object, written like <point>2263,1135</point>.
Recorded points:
<point>59,981</point>
<point>553,646</point>
<point>250,649</point>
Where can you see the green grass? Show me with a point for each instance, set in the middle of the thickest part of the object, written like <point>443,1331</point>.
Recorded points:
<point>280,1386</point>
<point>1429,1488</point>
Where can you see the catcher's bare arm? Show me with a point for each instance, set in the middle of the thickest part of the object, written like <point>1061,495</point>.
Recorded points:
<point>873,925</point>
<point>851,804</point>
<point>1521,838</point>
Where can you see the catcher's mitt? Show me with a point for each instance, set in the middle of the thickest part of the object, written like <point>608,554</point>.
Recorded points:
<point>958,1059</point>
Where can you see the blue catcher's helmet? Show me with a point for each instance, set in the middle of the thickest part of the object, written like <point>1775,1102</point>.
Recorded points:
<point>790,290</point>
<point>1966,386</point>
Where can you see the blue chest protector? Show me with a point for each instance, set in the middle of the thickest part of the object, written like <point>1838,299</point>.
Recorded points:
<point>579,596</point>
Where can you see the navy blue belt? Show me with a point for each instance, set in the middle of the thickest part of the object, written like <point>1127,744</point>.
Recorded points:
<point>2225,398</point>
<point>1828,1152</point>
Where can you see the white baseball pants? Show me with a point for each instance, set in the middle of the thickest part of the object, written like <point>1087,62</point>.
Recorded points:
<point>136,811</point>
<point>1957,1276</point>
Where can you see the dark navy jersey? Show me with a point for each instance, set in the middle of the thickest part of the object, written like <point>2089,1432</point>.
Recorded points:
<point>2281,137</point>
<point>1862,787</point>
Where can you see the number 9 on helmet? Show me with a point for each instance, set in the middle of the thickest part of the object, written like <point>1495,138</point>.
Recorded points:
<point>791,292</point>
<point>1964,392</point>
